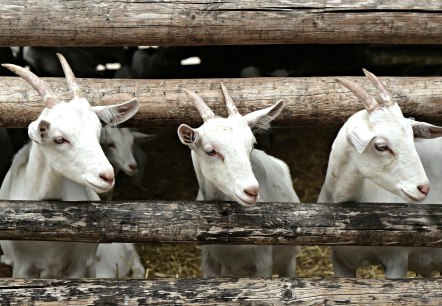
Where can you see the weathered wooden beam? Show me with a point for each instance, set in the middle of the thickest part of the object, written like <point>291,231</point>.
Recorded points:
<point>309,101</point>
<point>217,222</point>
<point>180,22</point>
<point>219,291</point>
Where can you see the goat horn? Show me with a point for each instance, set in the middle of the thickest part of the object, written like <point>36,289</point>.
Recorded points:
<point>369,102</point>
<point>385,95</point>
<point>205,112</point>
<point>231,107</point>
<point>70,77</point>
<point>43,89</point>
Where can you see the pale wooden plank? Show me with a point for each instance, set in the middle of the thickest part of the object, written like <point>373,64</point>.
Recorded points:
<point>309,101</point>
<point>180,22</point>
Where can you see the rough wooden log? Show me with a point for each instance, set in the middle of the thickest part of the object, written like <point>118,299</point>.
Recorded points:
<point>331,291</point>
<point>309,101</point>
<point>212,222</point>
<point>180,22</point>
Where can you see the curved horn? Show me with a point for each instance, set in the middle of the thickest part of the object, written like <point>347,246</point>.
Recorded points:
<point>231,107</point>
<point>70,77</point>
<point>385,95</point>
<point>205,112</point>
<point>369,102</point>
<point>43,89</point>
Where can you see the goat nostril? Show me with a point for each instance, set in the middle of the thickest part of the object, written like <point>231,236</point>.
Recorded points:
<point>133,167</point>
<point>424,189</point>
<point>107,176</point>
<point>252,191</point>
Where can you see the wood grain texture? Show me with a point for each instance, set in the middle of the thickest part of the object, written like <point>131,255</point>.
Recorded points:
<point>210,22</point>
<point>224,223</point>
<point>331,291</point>
<point>309,101</point>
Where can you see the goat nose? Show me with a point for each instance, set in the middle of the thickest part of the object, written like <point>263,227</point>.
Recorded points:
<point>107,176</point>
<point>425,188</point>
<point>133,167</point>
<point>252,191</point>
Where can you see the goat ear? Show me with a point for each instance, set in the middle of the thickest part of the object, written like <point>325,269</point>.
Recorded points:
<point>116,114</point>
<point>38,130</point>
<point>359,137</point>
<point>188,136</point>
<point>142,137</point>
<point>260,119</point>
<point>425,130</point>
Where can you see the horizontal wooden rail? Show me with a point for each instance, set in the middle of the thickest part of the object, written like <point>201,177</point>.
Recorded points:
<point>219,291</point>
<point>217,222</point>
<point>309,101</point>
<point>180,22</point>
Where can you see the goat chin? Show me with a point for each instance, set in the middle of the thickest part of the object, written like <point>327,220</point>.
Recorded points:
<point>97,185</point>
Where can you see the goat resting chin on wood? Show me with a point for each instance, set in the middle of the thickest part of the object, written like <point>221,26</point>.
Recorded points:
<point>421,260</point>
<point>229,168</point>
<point>375,147</point>
<point>64,161</point>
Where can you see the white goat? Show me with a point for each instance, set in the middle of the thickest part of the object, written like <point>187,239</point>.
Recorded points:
<point>118,145</point>
<point>64,161</point>
<point>228,168</point>
<point>118,260</point>
<point>422,260</point>
<point>375,146</point>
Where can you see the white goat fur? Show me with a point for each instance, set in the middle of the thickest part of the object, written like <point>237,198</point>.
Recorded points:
<point>117,144</point>
<point>355,164</point>
<point>72,170</point>
<point>422,260</point>
<point>118,260</point>
<point>226,174</point>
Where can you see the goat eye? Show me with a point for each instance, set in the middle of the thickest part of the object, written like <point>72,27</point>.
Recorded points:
<point>381,147</point>
<point>59,140</point>
<point>111,145</point>
<point>211,152</point>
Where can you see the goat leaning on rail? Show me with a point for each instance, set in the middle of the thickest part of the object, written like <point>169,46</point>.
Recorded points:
<point>64,161</point>
<point>375,145</point>
<point>422,260</point>
<point>228,168</point>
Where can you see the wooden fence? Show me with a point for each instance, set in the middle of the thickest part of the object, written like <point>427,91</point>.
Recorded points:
<point>311,101</point>
<point>223,223</point>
